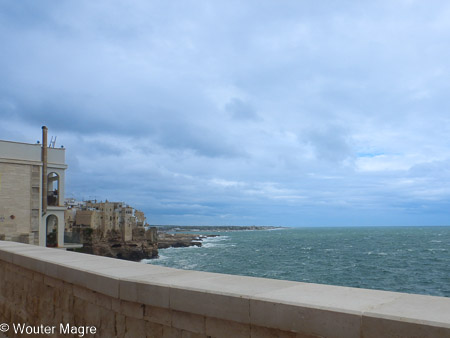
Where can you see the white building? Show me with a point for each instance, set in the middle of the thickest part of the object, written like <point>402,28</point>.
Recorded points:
<point>32,180</point>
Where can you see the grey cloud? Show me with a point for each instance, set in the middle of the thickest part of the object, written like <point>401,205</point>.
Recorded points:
<point>26,13</point>
<point>330,143</point>
<point>437,170</point>
<point>241,110</point>
<point>133,82</point>
<point>209,142</point>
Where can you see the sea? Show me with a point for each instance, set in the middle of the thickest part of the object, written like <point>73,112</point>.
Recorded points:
<point>402,259</point>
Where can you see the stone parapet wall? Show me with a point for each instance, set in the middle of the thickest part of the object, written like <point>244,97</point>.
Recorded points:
<point>50,287</point>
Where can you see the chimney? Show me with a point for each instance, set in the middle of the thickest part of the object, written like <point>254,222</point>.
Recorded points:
<point>44,169</point>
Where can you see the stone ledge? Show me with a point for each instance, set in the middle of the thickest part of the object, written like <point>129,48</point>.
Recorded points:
<point>309,309</point>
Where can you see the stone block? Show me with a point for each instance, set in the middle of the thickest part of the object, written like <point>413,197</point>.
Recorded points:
<point>188,321</point>
<point>92,314</point>
<point>38,277</point>
<point>46,312</point>
<point>68,317</point>
<point>79,306</point>
<point>427,310</point>
<point>304,319</point>
<point>145,292</point>
<point>264,332</point>
<point>157,315</point>
<point>25,273</point>
<point>115,305</point>
<point>133,310</point>
<point>83,293</point>
<point>224,328</point>
<point>171,332</point>
<point>107,323</point>
<point>241,286</point>
<point>36,265</point>
<point>120,325</point>
<point>409,315</point>
<point>210,304</point>
<point>53,282</point>
<point>134,327</point>
<point>188,334</point>
<point>32,305</point>
<point>103,300</point>
<point>65,300</point>
<point>90,280</point>
<point>153,330</point>
<point>58,317</point>
<point>374,327</point>
<point>315,309</point>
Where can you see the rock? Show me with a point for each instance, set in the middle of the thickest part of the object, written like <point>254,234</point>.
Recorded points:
<point>142,246</point>
<point>166,240</point>
<point>179,240</point>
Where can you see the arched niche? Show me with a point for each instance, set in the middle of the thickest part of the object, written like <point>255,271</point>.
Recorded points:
<point>52,231</point>
<point>53,189</point>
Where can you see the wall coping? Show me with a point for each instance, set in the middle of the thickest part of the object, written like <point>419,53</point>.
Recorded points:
<point>323,310</point>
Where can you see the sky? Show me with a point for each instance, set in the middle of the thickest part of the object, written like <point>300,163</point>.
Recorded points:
<point>284,113</point>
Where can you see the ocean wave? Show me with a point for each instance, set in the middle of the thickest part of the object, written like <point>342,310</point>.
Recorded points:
<point>188,266</point>
<point>215,239</point>
<point>154,260</point>
<point>212,245</point>
<point>310,256</point>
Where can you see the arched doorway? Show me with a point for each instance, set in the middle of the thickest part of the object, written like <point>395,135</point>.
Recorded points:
<point>53,189</point>
<point>52,231</point>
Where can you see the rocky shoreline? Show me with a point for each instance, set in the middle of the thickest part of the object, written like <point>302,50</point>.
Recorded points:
<point>175,236</point>
<point>180,240</point>
<point>145,243</point>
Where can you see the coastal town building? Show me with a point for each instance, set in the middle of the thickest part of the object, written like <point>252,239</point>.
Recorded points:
<point>104,217</point>
<point>111,229</point>
<point>32,188</point>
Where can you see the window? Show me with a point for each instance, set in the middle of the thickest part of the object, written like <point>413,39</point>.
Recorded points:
<point>53,189</point>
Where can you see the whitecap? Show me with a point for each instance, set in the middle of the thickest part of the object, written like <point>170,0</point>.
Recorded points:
<point>212,245</point>
<point>190,247</point>
<point>188,266</point>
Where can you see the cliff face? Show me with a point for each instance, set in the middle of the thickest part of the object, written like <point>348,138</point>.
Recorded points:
<point>111,244</point>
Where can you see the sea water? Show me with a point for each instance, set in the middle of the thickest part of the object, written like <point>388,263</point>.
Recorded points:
<point>401,259</point>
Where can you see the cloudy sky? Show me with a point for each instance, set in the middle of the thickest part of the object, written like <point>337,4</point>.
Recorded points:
<point>296,113</point>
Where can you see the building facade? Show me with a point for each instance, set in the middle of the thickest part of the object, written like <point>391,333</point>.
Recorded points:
<point>32,180</point>
<point>104,217</point>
